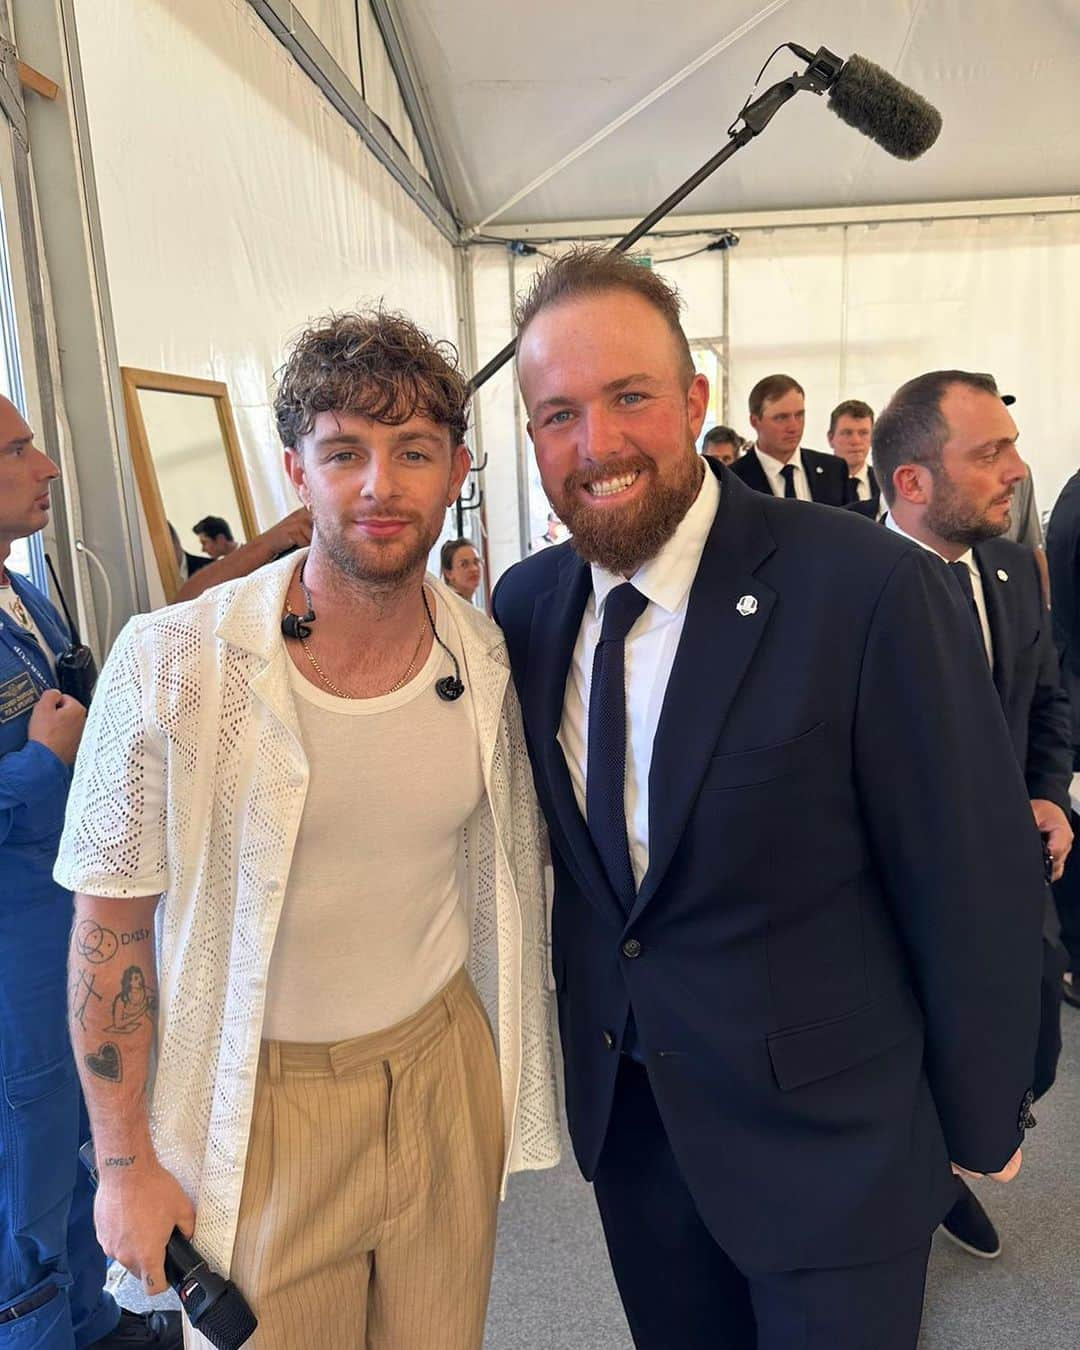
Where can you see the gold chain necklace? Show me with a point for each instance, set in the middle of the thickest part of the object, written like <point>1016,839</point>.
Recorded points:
<point>340,693</point>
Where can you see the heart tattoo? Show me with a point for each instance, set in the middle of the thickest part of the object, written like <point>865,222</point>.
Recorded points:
<point>106,1063</point>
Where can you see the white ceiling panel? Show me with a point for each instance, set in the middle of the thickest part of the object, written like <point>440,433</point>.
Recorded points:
<point>516,87</point>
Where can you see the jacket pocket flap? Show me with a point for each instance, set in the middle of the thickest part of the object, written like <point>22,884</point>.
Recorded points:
<point>746,767</point>
<point>806,1054</point>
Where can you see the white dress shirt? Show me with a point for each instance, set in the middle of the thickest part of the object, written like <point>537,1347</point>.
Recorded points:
<point>861,480</point>
<point>651,645</point>
<point>968,559</point>
<point>772,469</point>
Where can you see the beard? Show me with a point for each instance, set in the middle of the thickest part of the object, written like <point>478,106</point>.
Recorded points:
<point>621,540</point>
<point>952,518</point>
<point>384,565</point>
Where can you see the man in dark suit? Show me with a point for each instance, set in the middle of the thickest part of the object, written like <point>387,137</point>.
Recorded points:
<point>850,426</point>
<point>775,463</point>
<point>1063,559</point>
<point>946,448</point>
<point>796,954</point>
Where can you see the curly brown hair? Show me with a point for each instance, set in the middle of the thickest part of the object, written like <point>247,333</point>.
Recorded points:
<point>374,362</point>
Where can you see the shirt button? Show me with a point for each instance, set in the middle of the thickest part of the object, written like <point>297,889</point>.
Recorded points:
<point>631,948</point>
<point>609,1039</point>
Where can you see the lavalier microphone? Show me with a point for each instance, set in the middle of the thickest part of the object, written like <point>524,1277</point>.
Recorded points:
<point>451,687</point>
<point>297,626</point>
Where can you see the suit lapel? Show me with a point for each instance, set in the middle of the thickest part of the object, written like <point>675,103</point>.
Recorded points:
<point>726,618</point>
<point>999,600</point>
<point>556,621</point>
<point>756,477</point>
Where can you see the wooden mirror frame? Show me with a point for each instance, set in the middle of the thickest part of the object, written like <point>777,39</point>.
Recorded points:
<point>132,380</point>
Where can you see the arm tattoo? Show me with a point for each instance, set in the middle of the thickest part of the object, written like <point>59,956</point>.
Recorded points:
<point>106,1062</point>
<point>82,991</point>
<point>120,1162</point>
<point>134,1005</point>
<point>94,943</point>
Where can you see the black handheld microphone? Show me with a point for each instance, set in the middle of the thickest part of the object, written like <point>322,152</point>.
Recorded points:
<point>213,1304</point>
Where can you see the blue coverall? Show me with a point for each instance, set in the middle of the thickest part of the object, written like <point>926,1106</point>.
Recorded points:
<point>46,1221</point>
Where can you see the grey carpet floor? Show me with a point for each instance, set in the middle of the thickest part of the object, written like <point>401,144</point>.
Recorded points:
<point>553,1289</point>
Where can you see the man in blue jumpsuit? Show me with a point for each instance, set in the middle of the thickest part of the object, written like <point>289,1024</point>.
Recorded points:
<point>52,1270</point>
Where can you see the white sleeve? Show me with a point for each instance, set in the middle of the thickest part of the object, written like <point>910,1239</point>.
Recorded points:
<point>114,832</point>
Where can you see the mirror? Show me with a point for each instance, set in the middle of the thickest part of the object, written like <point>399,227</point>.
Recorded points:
<point>187,464</point>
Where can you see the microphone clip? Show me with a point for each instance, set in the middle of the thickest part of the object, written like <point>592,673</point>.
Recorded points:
<point>297,626</point>
<point>450,688</point>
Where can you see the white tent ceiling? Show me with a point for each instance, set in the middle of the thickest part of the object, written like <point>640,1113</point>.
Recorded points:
<point>515,87</point>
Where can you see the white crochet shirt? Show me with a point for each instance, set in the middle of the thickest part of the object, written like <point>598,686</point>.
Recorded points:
<point>190,783</point>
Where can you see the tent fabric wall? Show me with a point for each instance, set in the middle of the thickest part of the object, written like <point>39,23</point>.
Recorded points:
<point>235,205</point>
<point>852,311</point>
<point>348,31</point>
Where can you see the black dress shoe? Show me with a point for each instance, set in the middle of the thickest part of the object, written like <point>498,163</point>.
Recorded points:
<point>144,1331</point>
<point>969,1226</point>
<point>1070,989</point>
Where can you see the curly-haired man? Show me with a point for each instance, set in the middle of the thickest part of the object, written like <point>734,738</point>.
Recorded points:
<point>315,779</point>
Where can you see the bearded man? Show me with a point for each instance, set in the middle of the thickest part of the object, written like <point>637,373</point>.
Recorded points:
<point>312,783</point>
<point>794,949</point>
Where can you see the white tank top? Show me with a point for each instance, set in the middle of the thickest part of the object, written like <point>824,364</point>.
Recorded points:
<point>374,921</point>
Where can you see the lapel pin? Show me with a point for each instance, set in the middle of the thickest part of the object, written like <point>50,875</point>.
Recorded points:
<point>747,604</point>
<point>820,469</point>
<point>1002,575</point>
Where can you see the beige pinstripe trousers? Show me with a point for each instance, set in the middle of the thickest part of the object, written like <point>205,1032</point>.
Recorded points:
<point>367,1220</point>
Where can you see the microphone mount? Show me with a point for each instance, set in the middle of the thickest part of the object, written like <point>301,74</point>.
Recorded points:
<point>823,68</point>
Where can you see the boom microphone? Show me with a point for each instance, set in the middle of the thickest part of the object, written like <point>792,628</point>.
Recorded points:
<point>860,93</point>
<point>877,104</point>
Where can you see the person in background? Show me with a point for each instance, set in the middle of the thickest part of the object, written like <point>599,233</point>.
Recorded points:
<point>52,1268</point>
<point>775,463</point>
<point>187,564</point>
<point>291,532</point>
<point>850,425</point>
<point>946,450</point>
<point>722,443</point>
<point>1024,527</point>
<point>554,533</point>
<point>776,1032</point>
<point>1063,560</point>
<point>459,563</point>
<point>215,536</point>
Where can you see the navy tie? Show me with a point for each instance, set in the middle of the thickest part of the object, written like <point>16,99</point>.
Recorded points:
<point>962,574</point>
<point>605,782</point>
<point>787,473</point>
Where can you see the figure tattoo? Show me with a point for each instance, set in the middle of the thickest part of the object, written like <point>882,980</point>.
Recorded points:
<point>133,1003</point>
<point>81,993</point>
<point>95,943</point>
<point>105,1062</point>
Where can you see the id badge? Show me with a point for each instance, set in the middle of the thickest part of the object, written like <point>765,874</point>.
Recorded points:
<point>17,696</point>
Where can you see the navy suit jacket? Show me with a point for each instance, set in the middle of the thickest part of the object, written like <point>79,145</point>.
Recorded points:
<point>836,987</point>
<point>826,474</point>
<point>1063,561</point>
<point>1026,671</point>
